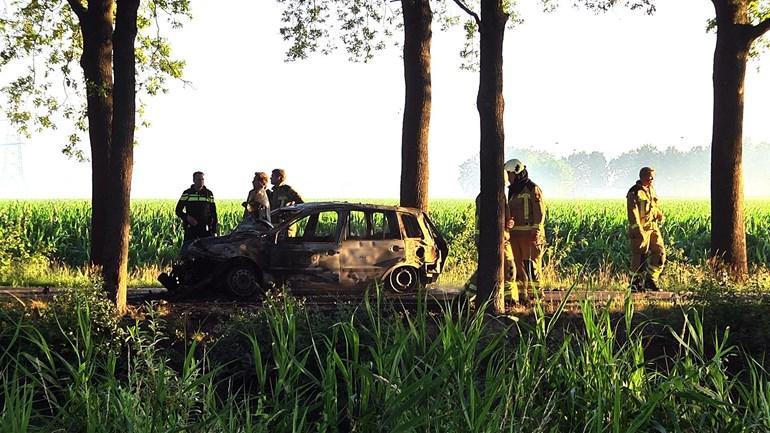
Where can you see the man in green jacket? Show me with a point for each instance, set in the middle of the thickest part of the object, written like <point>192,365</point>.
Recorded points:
<point>282,195</point>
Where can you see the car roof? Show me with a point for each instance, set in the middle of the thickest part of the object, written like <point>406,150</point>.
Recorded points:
<point>344,205</point>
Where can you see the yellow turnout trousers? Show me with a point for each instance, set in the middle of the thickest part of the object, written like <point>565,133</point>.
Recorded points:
<point>648,254</point>
<point>528,253</point>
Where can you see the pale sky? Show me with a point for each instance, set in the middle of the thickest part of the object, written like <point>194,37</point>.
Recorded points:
<point>574,81</point>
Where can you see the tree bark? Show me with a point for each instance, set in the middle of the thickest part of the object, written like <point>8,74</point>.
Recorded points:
<point>491,105</point>
<point>121,152</point>
<point>728,234</point>
<point>418,17</point>
<point>96,60</point>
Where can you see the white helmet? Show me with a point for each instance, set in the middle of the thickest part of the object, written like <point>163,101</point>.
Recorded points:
<point>514,166</point>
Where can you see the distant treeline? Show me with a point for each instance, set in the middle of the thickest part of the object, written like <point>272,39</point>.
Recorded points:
<point>591,174</point>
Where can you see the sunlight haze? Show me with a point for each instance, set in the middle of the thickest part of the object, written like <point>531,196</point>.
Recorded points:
<point>574,81</point>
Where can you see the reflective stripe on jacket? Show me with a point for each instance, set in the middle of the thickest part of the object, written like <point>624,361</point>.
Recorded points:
<point>199,205</point>
<point>527,208</point>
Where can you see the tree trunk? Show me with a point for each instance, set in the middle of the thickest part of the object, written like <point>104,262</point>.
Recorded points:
<point>121,153</point>
<point>491,105</point>
<point>728,233</point>
<point>96,61</point>
<point>417,104</point>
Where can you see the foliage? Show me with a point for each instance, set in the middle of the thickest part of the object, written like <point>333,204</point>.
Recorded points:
<point>60,321</point>
<point>41,44</point>
<point>380,368</point>
<point>580,174</point>
<point>647,6</point>
<point>16,248</point>
<point>586,238</point>
<point>362,27</point>
<point>82,385</point>
<point>741,307</point>
<point>758,11</point>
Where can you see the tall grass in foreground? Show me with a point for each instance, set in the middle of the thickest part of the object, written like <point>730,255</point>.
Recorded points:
<point>375,368</point>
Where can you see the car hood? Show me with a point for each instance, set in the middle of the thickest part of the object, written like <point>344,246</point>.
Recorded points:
<point>235,244</point>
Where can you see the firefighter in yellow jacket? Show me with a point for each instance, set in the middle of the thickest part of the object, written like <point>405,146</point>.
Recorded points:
<point>646,241</point>
<point>527,209</point>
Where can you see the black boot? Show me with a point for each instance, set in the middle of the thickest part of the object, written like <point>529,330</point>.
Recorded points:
<point>650,284</point>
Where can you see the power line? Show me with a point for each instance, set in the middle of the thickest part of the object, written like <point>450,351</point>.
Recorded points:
<point>11,155</point>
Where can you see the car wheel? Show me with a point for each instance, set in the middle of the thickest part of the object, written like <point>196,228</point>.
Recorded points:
<point>403,279</point>
<point>242,280</point>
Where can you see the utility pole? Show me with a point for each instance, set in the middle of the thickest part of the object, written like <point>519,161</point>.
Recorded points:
<point>11,159</point>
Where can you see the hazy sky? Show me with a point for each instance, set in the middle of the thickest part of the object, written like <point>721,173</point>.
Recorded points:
<point>573,81</point>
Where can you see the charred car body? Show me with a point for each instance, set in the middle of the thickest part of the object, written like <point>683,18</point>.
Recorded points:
<point>333,246</point>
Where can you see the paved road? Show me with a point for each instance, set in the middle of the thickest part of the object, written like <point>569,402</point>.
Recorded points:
<point>139,295</point>
<point>45,292</point>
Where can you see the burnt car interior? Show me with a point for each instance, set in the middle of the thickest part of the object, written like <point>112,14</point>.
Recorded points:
<point>411,226</point>
<point>316,227</point>
<point>335,246</point>
<point>372,225</point>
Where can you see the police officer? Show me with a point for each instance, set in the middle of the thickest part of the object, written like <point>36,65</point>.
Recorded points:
<point>527,208</point>
<point>646,241</point>
<point>257,204</point>
<point>282,195</point>
<point>197,210</point>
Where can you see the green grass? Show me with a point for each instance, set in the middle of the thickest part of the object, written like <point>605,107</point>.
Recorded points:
<point>69,365</point>
<point>372,368</point>
<point>46,242</point>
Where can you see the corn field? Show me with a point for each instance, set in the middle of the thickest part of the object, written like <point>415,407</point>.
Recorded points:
<point>586,236</point>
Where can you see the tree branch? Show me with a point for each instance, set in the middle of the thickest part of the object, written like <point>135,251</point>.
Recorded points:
<point>469,11</point>
<point>78,8</point>
<point>760,29</point>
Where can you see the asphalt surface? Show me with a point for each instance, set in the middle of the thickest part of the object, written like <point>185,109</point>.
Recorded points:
<point>141,295</point>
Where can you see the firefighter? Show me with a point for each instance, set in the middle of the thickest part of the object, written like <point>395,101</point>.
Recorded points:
<point>646,241</point>
<point>527,209</point>
<point>509,268</point>
<point>197,210</point>
<point>257,204</point>
<point>282,195</point>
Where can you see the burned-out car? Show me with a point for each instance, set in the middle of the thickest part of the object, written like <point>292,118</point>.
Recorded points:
<point>335,246</point>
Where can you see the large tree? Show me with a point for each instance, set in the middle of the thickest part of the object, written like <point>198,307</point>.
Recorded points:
<point>491,24</point>
<point>739,23</point>
<point>417,103</point>
<point>50,36</point>
<point>96,27</point>
<point>111,118</point>
<point>121,156</point>
<point>362,26</point>
<point>491,105</point>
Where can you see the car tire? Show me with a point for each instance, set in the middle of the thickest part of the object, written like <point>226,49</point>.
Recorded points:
<point>403,279</point>
<point>242,280</point>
